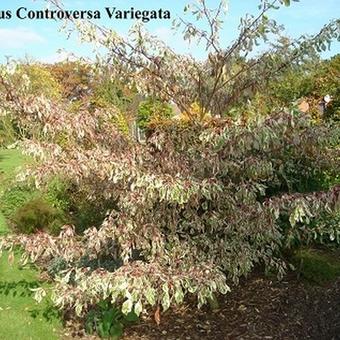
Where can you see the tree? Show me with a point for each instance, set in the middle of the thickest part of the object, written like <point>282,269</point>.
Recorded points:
<point>222,80</point>
<point>201,202</point>
<point>74,76</point>
<point>309,81</point>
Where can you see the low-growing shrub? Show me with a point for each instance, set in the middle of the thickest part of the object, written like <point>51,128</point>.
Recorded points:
<point>73,201</point>
<point>37,215</point>
<point>60,198</point>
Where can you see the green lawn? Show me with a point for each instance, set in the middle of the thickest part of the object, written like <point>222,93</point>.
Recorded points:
<point>20,316</point>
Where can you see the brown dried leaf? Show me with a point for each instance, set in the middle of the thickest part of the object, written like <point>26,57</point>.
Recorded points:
<point>157,316</point>
<point>11,258</point>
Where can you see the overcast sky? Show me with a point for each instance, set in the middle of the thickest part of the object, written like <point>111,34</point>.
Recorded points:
<point>41,40</point>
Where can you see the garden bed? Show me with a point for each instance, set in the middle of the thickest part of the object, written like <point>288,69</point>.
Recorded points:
<point>257,309</point>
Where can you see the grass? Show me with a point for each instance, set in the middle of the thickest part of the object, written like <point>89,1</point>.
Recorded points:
<point>10,161</point>
<point>318,265</point>
<point>20,316</point>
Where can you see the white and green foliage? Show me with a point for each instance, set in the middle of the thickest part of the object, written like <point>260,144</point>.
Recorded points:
<point>199,204</point>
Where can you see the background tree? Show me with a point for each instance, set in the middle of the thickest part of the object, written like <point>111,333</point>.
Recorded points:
<point>220,81</point>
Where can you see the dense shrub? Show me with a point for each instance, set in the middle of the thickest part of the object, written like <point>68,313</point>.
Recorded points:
<point>41,80</point>
<point>45,210</point>
<point>326,81</point>
<point>37,215</point>
<point>310,81</point>
<point>201,203</point>
<point>153,112</point>
<point>61,203</point>
<point>74,77</point>
<point>109,92</point>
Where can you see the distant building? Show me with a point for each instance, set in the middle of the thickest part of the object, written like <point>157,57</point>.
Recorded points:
<point>324,103</point>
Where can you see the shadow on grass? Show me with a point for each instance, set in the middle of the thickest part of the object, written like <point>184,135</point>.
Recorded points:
<point>2,157</point>
<point>20,288</point>
<point>48,313</point>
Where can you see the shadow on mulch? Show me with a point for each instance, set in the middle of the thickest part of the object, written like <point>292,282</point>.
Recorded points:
<point>257,309</point>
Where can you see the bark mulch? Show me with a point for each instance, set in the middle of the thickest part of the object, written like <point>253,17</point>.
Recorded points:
<point>259,308</point>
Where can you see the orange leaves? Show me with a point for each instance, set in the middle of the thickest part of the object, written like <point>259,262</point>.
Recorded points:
<point>157,316</point>
<point>11,258</point>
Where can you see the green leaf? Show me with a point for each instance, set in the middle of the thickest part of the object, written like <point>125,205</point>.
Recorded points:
<point>166,297</point>
<point>116,330</point>
<point>102,330</point>
<point>179,295</point>
<point>131,317</point>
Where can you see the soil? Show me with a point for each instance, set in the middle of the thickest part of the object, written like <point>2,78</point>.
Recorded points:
<point>259,308</point>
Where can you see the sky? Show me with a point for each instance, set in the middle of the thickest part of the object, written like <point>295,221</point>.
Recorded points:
<point>41,39</point>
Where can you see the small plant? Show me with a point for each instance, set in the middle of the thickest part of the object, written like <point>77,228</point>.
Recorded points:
<point>108,321</point>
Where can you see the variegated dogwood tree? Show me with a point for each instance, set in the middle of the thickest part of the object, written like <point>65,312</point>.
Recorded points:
<point>200,203</point>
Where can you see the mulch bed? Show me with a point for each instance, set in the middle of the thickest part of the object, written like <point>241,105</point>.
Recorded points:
<point>259,308</point>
